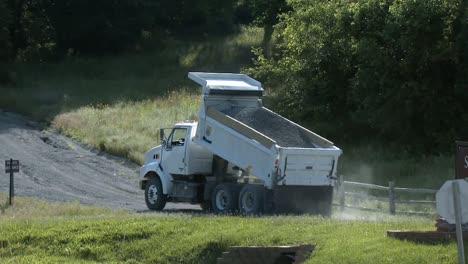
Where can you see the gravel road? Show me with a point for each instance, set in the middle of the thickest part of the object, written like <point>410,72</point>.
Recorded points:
<point>54,167</point>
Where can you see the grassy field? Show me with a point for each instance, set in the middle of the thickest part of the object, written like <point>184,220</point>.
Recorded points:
<point>379,165</point>
<point>118,103</point>
<point>43,90</point>
<point>38,232</point>
<point>26,209</point>
<point>127,128</point>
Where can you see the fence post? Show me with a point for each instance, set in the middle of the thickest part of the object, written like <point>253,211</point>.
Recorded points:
<point>12,184</point>
<point>341,193</point>
<point>391,197</point>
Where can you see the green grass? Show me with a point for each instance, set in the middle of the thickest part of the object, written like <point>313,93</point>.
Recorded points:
<point>25,209</point>
<point>66,237</point>
<point>127,128</point>
<point>43,90</point>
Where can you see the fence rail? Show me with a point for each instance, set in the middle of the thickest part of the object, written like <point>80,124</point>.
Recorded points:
<point>410,190</point>
<point>390,198</point>
<point>367,185</point>
<point>364,196</point>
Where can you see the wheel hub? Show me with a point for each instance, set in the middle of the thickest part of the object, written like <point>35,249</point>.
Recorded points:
<point>221,200</point>
<point>248,201</point>
<point>152,194</point>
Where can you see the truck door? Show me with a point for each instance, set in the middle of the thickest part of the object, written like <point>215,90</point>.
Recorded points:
<point>175,151</point>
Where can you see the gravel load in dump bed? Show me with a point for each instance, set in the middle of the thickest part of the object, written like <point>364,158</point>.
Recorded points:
<point>275,127</point>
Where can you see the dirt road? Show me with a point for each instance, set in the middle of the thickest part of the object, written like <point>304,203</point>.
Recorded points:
<point>54,167</point>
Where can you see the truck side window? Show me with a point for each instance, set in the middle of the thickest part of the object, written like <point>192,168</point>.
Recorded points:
<point>177,137</point>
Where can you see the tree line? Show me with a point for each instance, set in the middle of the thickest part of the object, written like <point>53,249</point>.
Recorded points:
<point>392,70</point>
<point>45,29</point>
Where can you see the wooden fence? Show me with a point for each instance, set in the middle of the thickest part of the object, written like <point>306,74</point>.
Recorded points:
<point>391,198</point>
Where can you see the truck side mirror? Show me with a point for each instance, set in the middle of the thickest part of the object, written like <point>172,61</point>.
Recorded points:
<point>162,138</point>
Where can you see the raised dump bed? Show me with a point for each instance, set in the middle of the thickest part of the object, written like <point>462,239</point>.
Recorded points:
<point>235,126</point>
<point>284,132</point>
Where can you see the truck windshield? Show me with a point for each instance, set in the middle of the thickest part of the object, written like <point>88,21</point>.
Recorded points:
<point>177,137</point>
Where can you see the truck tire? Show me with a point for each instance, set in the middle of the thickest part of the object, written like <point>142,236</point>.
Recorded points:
<point>154,196</point>
<point>251,200</point>
<point>224,198</point>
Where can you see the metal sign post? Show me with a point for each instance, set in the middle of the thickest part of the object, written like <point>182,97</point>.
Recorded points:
<point>11,166</point>
<point>458,222</point>
<point>461,172</point>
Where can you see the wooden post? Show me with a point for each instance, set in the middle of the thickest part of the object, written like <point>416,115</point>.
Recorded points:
<point>458,220</point>
<point>12,192</point>
<point>341,193</point>
<point>391,197</point>
<point>11,166</point>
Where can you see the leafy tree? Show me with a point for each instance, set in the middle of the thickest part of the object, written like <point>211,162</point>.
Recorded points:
<point>41,29</point>
<point>98,26</point>
<point>386,69</point>
<point>5,22</point>
<point>264,13</point>
<point>5,44</point>
<point>462,52</point>
<point>16,32</point>
<point>196,17</point>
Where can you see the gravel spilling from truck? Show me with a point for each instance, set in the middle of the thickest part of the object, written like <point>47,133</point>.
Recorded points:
<point>285,133</point>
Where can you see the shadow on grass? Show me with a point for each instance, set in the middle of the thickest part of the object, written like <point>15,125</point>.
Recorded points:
<point>212,251</point>
<point>198,212</point>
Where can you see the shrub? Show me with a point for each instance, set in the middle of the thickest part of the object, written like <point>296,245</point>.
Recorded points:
<point>387,69</point>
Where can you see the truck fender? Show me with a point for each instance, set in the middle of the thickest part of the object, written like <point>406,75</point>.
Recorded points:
<point>166,178</point>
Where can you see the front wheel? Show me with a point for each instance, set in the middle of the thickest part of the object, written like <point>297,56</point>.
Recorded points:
<point>154,196</point>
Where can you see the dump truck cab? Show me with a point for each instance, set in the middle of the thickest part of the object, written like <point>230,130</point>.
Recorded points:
<point>181,156</point>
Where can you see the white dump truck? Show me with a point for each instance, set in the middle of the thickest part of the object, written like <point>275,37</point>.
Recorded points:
<point>240,156</point>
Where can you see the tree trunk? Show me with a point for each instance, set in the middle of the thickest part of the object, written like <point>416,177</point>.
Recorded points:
<point>16,29</point>
<point>266,42</point>
<point>462,40</point>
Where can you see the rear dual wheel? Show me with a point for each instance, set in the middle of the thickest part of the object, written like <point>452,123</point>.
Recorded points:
<point>231,198</point>
<point>224,198</point>
<point>251,199</point>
